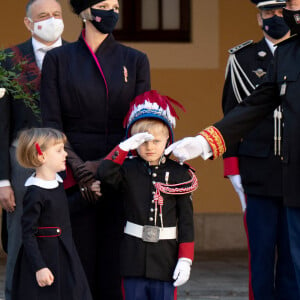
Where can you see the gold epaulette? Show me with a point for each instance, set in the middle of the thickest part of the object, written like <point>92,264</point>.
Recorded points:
<point>215,140</point>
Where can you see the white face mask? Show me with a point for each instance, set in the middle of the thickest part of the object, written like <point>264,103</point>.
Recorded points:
<point>48,30</point>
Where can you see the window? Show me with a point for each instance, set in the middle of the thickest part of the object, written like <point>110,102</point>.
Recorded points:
<point>154,21</point>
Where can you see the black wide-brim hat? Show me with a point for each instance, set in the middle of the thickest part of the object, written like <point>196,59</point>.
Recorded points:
<point>80,5</point>
<point>269,4</point>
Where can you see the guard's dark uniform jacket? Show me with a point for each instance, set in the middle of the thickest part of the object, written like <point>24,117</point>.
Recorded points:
<point>282,87</point>
<point>135,180</point>
<point>260,170</point>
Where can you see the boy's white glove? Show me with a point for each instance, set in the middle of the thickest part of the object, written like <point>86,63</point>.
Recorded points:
<point>236,181</point>
<point>135,141</point>
<point>2,92</point>
<point>189,148</point>
<point>182,271</point>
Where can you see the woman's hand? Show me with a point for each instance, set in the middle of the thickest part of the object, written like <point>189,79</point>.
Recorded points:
<point>44,277</point>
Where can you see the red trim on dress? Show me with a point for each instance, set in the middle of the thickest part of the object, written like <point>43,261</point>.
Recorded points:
<point>186,250</point>
<point>231,166</point>
<point>50,235</point>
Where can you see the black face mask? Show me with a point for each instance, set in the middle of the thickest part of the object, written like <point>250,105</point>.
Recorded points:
<point>292,19</point>
<point>104,20</point>
<point>275,27</point>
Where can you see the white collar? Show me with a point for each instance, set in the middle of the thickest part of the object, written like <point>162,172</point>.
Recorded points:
<point>46,184</point>
<point>38,45</point>
<point>271,46</point>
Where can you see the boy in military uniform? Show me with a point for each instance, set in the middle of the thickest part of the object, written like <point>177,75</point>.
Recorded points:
<point>158,244</point>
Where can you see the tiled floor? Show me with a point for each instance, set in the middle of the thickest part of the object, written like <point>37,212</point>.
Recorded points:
<point>222,277</point>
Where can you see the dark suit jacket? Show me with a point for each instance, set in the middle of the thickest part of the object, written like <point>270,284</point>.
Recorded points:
<point>282,87</point>
<point>14,114</point>
<point>260,170</point>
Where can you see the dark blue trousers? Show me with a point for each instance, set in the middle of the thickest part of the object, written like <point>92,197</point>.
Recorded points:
<point>272,274</point>
<point>293,217</point>
<point>148,289</point>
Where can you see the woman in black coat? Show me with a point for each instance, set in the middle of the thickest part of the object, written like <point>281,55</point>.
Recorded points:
<point>86,90</point>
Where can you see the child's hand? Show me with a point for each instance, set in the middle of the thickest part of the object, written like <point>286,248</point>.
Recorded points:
<point>182,271</point>
<point>44,277</point>
<point>95,187</point>
<point>136,140</point>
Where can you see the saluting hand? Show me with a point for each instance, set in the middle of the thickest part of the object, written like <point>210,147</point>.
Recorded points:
<point>136,140</point>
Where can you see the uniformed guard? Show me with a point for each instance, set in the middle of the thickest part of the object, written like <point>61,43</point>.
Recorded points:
<point>158,245</point>
<point>273,202</point>
<point>254,166</point>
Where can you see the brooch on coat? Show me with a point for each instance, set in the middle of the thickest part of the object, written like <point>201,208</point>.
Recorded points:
<point>125,73</point>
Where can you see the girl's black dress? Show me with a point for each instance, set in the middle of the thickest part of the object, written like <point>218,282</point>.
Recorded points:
<point>48,242</point>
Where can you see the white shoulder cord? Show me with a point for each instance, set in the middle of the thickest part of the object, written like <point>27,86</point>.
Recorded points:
<point>238,76</point>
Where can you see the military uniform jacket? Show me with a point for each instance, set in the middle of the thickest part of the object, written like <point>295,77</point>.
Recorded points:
<point>260,170</point>
<point>282,87</point>
<point>48,242</point>
<point>135,182</point>
<point>87,103</point>
<point>14,114</point>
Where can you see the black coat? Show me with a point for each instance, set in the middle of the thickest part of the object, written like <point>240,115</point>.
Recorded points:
<point>260,170</point>
<point>74,97</point>
<point>282,87</point>
<point>134,181</point>
<point>48,247</point>
<point>14,114</point>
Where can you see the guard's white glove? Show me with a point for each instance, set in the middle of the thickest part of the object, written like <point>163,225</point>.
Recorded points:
<point>236,181</point>
<point>182,271</point>
<point>135,141</point>
<point>2,92</point>
<point>189,148</point>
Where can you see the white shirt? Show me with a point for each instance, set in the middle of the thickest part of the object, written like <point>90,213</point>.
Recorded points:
<point>271,46</point>
<point>40,50</point>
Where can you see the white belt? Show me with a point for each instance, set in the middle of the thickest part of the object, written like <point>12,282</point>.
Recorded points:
<point>165,233</point>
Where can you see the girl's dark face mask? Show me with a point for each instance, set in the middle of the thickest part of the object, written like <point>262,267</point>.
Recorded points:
<point>104,20</point>
<point>292,19</point>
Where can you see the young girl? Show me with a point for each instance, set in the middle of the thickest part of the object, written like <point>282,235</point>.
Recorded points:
<point>48,266</point>
<point>158,244</point>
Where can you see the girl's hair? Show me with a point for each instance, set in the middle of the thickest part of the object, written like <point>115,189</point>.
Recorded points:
<point>30,140</point>
<point>144,125</point>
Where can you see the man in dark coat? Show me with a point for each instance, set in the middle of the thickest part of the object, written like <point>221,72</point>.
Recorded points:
<point>281,87</point>
<point>16,114</point>
<point>86,90</point>
<point>254,166</point>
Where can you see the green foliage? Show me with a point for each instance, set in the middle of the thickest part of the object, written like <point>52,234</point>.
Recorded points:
<point>10,79</point>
